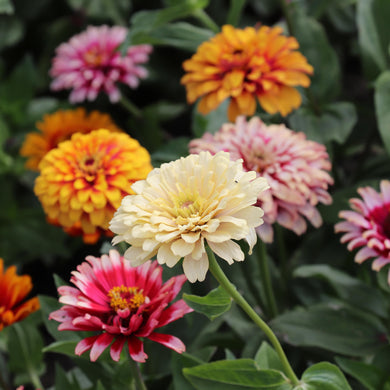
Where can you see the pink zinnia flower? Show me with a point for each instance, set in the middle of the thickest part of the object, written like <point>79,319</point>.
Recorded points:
<point>295,168</point>
<point>90,62</point>
<point>122,304</point>
<point>368,227</point>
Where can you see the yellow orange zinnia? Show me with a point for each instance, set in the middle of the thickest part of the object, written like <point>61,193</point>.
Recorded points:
<point>58,127</point>
<point>84,179</point>
<point>244,64</point>
<point>13,291</point>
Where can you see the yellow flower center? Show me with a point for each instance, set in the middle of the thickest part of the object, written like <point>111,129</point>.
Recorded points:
<point>122,297</point>
<point>94,57</point>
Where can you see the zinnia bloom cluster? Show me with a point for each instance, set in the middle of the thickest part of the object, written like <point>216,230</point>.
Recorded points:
<point>58,127</point>
<point>185,203</point>
<point>245,64</point>
<point>91,62</point>
<point>121,304</point>
<point>83,181</point>
<point>13,292</point>
<point>367,225</point>
<point>295,169</point>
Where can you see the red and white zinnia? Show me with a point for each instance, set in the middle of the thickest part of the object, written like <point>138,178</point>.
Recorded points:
<point>121,304</point>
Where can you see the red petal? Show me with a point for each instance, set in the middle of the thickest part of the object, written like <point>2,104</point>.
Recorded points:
<point>169,341</point>
<point>116,348</point>
<point>101,343</point>
<point>174,312</point>
<point>136,350</point>
<point>84,345</point>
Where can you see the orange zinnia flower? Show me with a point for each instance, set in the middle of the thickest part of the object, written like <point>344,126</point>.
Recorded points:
<point>244,64</point>
<point>13,290</point>
<point>83,181</point>
<point>59,127</point>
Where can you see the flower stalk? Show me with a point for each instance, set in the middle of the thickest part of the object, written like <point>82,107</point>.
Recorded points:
<point>266,279</point>
<point>136,374</point>
<point>222,279</point>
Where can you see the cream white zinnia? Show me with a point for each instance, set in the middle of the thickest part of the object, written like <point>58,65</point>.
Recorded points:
<point>186,202</point>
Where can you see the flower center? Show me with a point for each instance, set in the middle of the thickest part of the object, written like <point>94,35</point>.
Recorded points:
<point>94,57</point>
<point>90,165</point>
<point>122,297</point>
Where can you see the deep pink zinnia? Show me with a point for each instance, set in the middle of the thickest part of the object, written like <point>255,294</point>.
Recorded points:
<point>295,168</point>
<point>90,62</point>
<point>122,304</point>
<point>368,226</point>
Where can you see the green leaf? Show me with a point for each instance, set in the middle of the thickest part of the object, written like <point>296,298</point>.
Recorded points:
<point>171,150</point>
<point>181,35</point>
<point>180,361</point>
<point>335,122</point>
<point>333,327</point>
<point>11,30</point>
<point>315,46</point>
<point>25,351</point>
<point>324,376</point>
<point>267,358</point>
<point>237,374</point>
<point>6,7</point>
<point>64,347</point>
<point>382,104</point>
<point>348,288</point>
<point>143,23</point>
<point>370,376</point>
<point>374,35</point>
<point>214,304</point>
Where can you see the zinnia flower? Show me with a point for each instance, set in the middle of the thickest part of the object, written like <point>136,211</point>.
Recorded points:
<point>58,127</point>
<point>368,226</point>
<point>13,292</point>
<point>83,181</point>
<point>244,64</point>
<point>295,168</point>
<point>122,304</point>
<point>185,203</point>
<point>91,62</point>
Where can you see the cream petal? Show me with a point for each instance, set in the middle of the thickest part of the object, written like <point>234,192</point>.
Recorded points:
<point>196,269</point>
<point>181,248</point>
<point>228,250</point>
<point>166,256</point>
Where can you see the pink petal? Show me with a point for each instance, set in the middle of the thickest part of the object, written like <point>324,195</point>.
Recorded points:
<point>85,345</point>
<point>116,348</point>
<point>101,343</point>
<point>174,312</point>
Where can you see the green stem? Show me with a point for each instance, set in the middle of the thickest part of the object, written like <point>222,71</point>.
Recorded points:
<point>282,253</point>
<point>235,11</point>
<point>217,272</point>
<point>284,5</point>
<point>266,279</point>
<point>206,20</point>
<point>131,107</point>
<point>139,383</point>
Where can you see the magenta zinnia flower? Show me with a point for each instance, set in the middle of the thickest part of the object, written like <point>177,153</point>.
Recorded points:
<point>368,226</point>
<point>295,168</point>
<point>122,304</point>
<point>90,62</point>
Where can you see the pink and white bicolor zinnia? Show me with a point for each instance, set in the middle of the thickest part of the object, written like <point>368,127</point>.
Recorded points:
<point>121,304</point>
<point>295,169</point>
<point>90,62</point>
<point>368,226</point>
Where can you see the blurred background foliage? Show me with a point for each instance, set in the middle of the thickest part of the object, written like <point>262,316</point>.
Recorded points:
<point>334,307</point>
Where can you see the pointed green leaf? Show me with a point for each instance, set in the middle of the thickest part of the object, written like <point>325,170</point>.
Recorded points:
<point>374,35</point>
<point>215,303</point>
<point>237,374</point>
<point>266,357</point>
<point>64,347</point>
<point>334,327</point>
<point>382,104</point>
<point>367,374</point>
<point>324,376</point>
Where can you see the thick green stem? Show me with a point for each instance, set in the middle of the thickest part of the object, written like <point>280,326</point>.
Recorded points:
<point>266,279</point>
<point>206,20</point>
<point>282,253</point>
<point>139,383</point>
<point>131,107</point>
<point>217,272</point>
<point>235,10</point>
